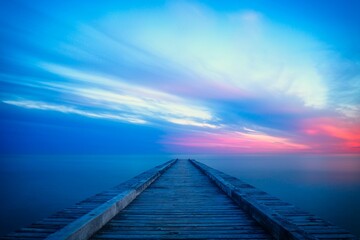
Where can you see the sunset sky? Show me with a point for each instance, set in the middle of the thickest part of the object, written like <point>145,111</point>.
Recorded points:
<point>250,76</point>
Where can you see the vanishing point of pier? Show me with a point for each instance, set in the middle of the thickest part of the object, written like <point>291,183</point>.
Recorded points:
<point>182,199</point>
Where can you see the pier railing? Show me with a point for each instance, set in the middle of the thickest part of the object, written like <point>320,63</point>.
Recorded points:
<point>281,219</point>
<point>273,217</point>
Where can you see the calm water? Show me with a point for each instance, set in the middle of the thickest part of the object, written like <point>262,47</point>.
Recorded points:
<point>33,187</point>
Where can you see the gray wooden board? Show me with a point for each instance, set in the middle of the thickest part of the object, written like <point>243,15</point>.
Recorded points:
<point>81,218</point>
<point>186,202</point>
<point>182,203</point>
<point>282,219</point>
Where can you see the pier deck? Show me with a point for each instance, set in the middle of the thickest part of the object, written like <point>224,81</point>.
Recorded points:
<point>182,203</point>
<point>182,199</point>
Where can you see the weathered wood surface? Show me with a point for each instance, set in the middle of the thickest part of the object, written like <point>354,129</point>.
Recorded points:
<point>281,219</point>
<point>182,204</point>
<point>185,200</point>
<point>88,216</point>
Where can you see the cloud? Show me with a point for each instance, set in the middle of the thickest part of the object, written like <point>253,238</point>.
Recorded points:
<point>229,80</point>
<point>242,50</point>
<point>118,98</point>
<point>349,110</point>
<point>340,135</point>
<point>232,142</point>
<point>66,109</point>
<point>191,123</point>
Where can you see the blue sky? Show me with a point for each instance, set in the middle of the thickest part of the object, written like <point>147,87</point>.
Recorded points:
<point>180,76</point>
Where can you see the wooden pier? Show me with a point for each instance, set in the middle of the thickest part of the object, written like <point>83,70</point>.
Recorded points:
<point>182,199</point>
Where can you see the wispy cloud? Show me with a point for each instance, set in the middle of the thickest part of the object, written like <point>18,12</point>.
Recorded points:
<point>251,53</point>
<point>211,80</point>
<point>66,109</point>
<point>118,98</point>
<point>232,142</point>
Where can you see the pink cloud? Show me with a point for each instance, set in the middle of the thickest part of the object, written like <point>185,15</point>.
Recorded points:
<point>335,135</point>
<point>232,142</point>
<point>316,135</point>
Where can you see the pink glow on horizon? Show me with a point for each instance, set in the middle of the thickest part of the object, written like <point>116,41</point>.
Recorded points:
<point>344,135</point>
<point>316,135</point>
<point>233,142</point>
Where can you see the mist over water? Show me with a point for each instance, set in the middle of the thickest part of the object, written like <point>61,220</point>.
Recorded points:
<point>33,187</point>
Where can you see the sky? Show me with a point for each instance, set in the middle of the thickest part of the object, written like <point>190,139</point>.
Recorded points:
<point>121,77</point>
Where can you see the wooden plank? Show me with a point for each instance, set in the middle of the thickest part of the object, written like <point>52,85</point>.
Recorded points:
<point>183,236</point>
<point>182,200</point>
<point>182,204</point>
<point>83,219</point>
<point>283,220</point>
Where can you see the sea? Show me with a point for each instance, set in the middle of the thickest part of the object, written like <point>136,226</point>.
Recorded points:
<point>35,186</point>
